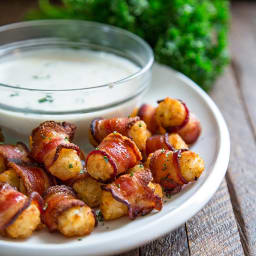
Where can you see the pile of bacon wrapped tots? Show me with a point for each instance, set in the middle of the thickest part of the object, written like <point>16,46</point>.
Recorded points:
<point>136,158</point>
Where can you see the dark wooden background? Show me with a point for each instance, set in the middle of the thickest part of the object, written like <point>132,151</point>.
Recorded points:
<point>227,224</point>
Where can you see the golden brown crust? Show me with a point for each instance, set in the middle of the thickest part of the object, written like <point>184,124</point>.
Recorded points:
<point>13,203</point>
<point>58,199</point>
<point>133,190</point>
<point>118,153</point>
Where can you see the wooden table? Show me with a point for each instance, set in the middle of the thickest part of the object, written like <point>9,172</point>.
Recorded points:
<point>227,224</point>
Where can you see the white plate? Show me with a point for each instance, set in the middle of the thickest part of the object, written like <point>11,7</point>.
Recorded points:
<point>121,235</point>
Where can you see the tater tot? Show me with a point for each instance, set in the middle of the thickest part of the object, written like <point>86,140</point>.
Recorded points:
<point>76,221</point>
<point>170,112</point>
<point>10,177</point>
<point>139,134</point>
<point>67,166</point>
<point>25,224</point>
<point>112,209</point>
<point>88,190</point>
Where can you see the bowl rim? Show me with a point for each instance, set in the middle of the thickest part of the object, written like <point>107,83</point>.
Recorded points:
<point>104,27</point>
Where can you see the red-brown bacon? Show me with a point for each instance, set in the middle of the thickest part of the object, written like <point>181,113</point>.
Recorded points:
<point>18,153</point>
<point>134,192</point>
<point>119,151</point>
<point>34,178</point>
<point>57,200</point>
<point>13,203</point>
<point>100,128</point>
<point>147,113</point>
<point>167,141</point>
<point>165,168</point>
<point>52,135</point>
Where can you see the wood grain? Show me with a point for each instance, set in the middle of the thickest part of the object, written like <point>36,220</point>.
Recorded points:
<point>243,44</point>
<point>173,244</point>
<point>241,176</point>
<point>213,231</point>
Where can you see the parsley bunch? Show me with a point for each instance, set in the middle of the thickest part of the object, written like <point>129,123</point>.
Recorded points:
<point>188,35</point>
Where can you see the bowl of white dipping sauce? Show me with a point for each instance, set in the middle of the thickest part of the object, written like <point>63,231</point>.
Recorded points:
<point>71,71</point>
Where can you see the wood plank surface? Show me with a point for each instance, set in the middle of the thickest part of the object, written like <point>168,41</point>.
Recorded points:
<point>241,176</point>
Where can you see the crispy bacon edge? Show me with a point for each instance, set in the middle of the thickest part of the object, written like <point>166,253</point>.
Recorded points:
<point>64,199</point>
<point>126,142</point>
<point>169,185</point>
<point>140,180</point>
<point>12,153</point>
<point>121,125</point>
<point>34,197</point>
<point>64,127</point>
<point>35,179</point>
<point>156,142</point>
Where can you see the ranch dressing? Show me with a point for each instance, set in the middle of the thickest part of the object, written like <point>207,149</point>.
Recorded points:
<point>59,69</point>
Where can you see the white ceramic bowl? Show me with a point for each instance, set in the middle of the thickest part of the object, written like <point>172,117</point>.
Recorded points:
<point>121,235</point>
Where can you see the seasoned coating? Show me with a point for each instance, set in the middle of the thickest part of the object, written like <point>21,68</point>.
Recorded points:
<point>76,221</point>
<point>135,191</point>
<point>26,223</point>
<point>13,153</point>
<point>51,145</point>
<point>19,214</point>
<point>112,209</point>
<point>174,169</point>
<point>65,213</point>
<point>9,176</point>
<point>88,190</point>
<point>131,127</point>
<point>167,141</point>
<point>172,116</point>
<point>114,156</point>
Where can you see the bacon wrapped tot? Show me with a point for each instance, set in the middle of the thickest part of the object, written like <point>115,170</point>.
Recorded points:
<point>174,169</point>
<point>87,189</point>
<point>167,141</point>
<point>133,194</point>
<point>67,214</point>
<point>26,177</point>
<point>132,127</point>
<point>18,153</point>
<point>172,116</point>
<point>19,214</point>
<point>51,145</point>
<point>115,155</point>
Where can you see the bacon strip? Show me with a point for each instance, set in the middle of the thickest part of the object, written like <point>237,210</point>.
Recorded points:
<point>13,203</point>
<point>134,192</point>
<point>147,113</point>
<point>18,153</point>
<point>34,178</point>
<point>51,135</point>
<point>100,128</point>
<point>165,168</point>
<point>57,200</point>
<point>120,152</point>
<point>158,142</point>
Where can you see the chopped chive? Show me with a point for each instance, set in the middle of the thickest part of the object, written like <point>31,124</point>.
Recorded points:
<point>81,171</point>
<point>131,174</point>
<point>105,158</point>
<point>164,167</point>
<point>163,150</point>
<point>47,98</point>
<point>97,148</point>
<point>140,125</point>
<point>70,166</point>
<point>168,195</point>
<point>79,239</point>
<point>118,185</point>
<point>14,94</point>
<point>66,139</point>
<point>141,165</point>
<point>99,216</point>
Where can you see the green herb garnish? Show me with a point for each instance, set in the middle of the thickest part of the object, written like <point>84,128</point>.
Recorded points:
<point>79,239</point>
<point>118,185</point>
<point>70,166</point>
<point>141,165</point>
<point>99,216</point>
<point>164,167</point>
<point>106,159</point>
<point>14,94</point>
<point>131,174</point>
<point>47,98</point>
<point>81,171</point>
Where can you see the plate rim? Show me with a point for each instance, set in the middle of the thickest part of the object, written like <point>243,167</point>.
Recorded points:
<point>141,236</point>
